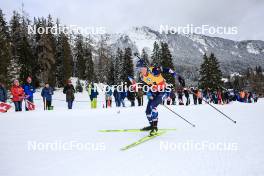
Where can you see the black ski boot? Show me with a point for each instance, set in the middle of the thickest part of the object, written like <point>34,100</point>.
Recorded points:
<point>154,128</point>
<point>147,128</point>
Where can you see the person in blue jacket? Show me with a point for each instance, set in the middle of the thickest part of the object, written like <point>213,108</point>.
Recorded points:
<point>3,94</point>
<point>123,95</point>
<point>93,96</point>
<point>117,97</point>
<point>29,90</point>
<point>47,93</point>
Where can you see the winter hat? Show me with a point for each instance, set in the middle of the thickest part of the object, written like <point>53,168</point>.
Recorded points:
<point>15,81</point>
<point>156,71</point>
<point>140,63</point>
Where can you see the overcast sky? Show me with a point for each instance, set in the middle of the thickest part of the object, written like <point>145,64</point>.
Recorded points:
<point>118,15</point>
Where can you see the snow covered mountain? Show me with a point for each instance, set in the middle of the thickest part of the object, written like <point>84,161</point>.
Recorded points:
<point>187,50</point>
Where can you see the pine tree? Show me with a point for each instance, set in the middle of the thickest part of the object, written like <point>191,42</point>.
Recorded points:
<point>145,57</point>
<point>26,58</point>
<point>205,72</point>
<point>5,51</point>
<point>103,57</point>
<point>210,73</point>
<point>16,46</point>
<point>79,56</point>
<point>111,72</point>
<point>22,62</point>
<point>259,70</point>
<point>166,62</point>
<point>128,66</point>
<point>156,56</point>
<point>118,66</point>
<point>64,61</point>
<point>89,64</point>
<point>35,39</point>
<point>60,80</point>
<point>45,52</point>
<point>256,81</point>
<point>52,38</point>
<point>67,58</point>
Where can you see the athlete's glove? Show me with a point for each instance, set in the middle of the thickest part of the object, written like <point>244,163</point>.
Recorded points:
<point>149,95</point>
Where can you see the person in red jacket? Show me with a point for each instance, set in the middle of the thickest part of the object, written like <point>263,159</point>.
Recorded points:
<point>18,95</point>
<point>219,97</point>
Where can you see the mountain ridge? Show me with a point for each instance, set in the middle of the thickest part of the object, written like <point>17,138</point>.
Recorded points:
<point>187,49</point>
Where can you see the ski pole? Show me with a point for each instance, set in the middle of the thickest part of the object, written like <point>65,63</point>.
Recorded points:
<point>219,111</point>
<point>45,104</point>
<point>179,115</point>
<point>216,109</point>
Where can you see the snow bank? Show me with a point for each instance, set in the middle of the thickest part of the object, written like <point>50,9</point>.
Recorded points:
<point>104,157</point>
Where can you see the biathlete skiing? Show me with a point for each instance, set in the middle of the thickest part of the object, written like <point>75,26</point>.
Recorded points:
<point>158,90</point>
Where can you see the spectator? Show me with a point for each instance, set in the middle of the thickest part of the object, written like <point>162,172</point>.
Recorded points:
<point>242,96</point>
<point>29,90</point>
<point>108,97</point>
<point>69,91</point>
<point>195,93</point>
<point>47,93</point>
<point>226,98</point>
<point>173,97</point>
<point>169,100</point>
<point>131,97</point>
<point>249,97</point>
<point>214,97</point>
<point>219,97</point>
<point>187,96</point>
<point>93,96</point>
<point>3,93</point>
<point>18,95</point>
<point>180,96</point>
<point>117,97</point>
<point>199,96</point>
<point>123,95</point>
<point>255,97</point>
<point>140,95</point>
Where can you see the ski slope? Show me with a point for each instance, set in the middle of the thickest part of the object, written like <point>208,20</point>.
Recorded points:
<point>103,155</point>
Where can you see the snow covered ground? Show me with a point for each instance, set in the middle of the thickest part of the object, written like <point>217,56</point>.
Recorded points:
<point>215,147</point>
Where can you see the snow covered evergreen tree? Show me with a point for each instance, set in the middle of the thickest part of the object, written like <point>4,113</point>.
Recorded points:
<point>64,59</point>
<point>22,62</point>
<point>103,57</point>
<point>166,61</point>
<point>111,72</point>
<point>26,60</point>
<point>79,56</point>
<point>15,36</point>
<point>52,38</point>
<point>118,66</point>
<point>210,73</point>
<point>5,51</point>
<point>89,64</point>
<point>45,52</point>
<point>128,66</point>
<point>155,57</point>
<point>145,57</point>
